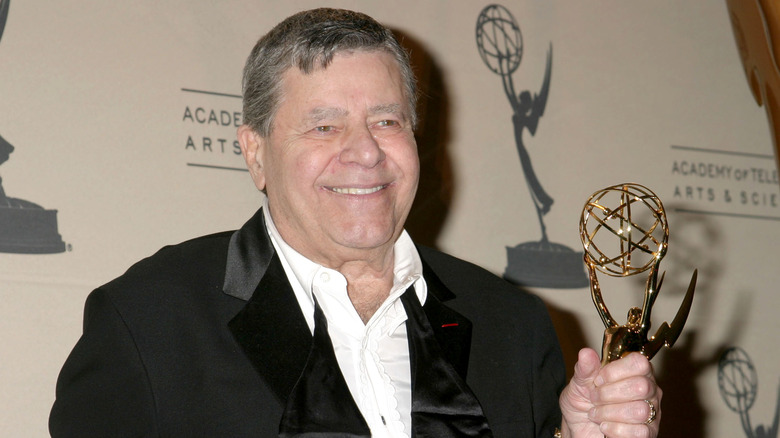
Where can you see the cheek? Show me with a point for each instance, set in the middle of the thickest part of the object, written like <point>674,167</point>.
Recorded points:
<point>306,168</point>
<point>410,164</point>
<point>413,175</point>
<point>305,172</point>
<point>402,152</point>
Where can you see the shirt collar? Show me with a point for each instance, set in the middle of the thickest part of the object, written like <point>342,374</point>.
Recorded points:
<point>407,266</point>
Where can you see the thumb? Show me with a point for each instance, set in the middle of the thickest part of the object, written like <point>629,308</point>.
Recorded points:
<point>586,370</point>
<point>576,400</point>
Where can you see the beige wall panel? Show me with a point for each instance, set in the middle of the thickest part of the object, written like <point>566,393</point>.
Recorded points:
<point>101,98</point>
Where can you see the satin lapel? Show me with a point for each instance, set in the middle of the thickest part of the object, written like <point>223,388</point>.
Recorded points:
<point>452,330</point>
<point>271,324</point>
<point>273,332</point>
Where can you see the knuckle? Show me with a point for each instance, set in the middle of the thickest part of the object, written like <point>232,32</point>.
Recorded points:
<point>642,386</point>
<point>638,411</point>
<point>642,432</point>
<point>641,364</point>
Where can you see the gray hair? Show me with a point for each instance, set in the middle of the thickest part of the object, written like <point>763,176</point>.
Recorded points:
<point>308,40</point>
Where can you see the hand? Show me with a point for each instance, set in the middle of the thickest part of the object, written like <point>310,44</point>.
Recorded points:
<point>610,401</point>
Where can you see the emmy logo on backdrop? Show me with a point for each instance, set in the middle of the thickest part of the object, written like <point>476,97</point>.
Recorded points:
<point>538,263</point>
<point>738,383</point>
<point>624,232</point>
<point>24,227</point>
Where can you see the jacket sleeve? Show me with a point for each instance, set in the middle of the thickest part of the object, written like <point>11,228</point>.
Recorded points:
<point>549,375</point>
<point>103,389</point>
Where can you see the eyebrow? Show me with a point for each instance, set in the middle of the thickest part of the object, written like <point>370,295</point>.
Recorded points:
<point>324,112</point>
<point>390,108</point>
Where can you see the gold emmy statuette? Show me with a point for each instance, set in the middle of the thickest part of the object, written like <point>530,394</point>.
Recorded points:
<point>624,232</point>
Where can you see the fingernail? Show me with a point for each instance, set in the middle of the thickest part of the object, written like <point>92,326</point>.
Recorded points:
<point>599,381</point>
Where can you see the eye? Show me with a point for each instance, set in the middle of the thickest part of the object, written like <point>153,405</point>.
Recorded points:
<point>388,123</point>
<point>324,129</point>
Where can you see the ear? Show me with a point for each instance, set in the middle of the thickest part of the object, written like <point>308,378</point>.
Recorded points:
<point>252,148</point>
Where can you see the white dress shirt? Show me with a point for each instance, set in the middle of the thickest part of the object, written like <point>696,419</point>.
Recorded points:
<point>373,357</point>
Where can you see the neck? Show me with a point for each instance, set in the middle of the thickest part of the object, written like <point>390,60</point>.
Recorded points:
<point>367,286</point>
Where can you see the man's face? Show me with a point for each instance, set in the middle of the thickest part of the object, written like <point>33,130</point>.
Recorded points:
<point>340,166</point>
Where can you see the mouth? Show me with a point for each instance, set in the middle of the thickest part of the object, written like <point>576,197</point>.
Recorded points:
<point>356,190</point>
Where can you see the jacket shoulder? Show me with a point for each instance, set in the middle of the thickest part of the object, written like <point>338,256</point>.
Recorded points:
<point>470,281</point>
<point>185,262</point>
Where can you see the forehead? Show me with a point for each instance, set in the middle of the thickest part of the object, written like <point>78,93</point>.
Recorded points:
<point>361,75</point>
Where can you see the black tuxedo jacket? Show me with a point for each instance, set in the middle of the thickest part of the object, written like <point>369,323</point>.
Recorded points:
<point>206,338</point>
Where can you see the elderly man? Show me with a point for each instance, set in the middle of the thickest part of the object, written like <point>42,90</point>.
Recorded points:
<point>320,317</point>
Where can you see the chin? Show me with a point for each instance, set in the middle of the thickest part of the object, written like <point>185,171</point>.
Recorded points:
<point>362,238</point>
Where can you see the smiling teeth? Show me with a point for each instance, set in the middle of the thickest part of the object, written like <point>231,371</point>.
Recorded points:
<point>356,191</point>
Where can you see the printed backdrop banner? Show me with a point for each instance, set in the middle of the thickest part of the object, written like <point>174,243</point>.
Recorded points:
<point>117,136</point>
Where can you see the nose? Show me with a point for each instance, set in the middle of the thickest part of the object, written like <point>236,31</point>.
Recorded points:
<point>361,148</point>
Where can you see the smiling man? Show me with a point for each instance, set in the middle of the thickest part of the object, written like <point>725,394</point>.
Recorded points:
<point>340,169</point>
<point>320,317</point>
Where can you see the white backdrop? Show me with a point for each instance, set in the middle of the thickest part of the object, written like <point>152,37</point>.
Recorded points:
<point>107,105</point>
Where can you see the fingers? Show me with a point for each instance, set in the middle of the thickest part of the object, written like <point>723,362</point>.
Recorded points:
<point>634,412</point>
<point>630,378</point>
<point>626,399</point>
<point>627,430</point>
<point>632,419</point>
<point>632,365</point>
<point>613,400</point>
<point>625,390</point>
